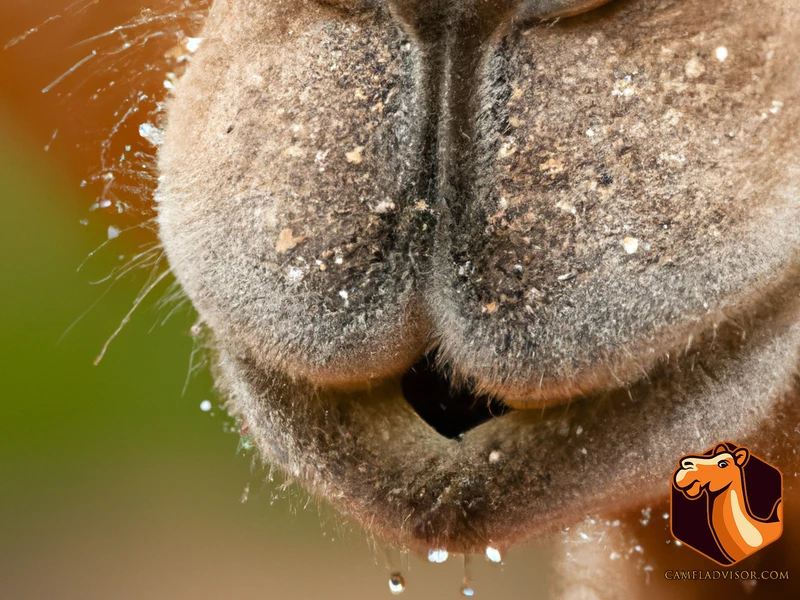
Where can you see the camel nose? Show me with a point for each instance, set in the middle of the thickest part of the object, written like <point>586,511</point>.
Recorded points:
<point>687,464</point>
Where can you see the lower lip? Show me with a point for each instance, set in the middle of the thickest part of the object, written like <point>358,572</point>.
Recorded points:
<point>371,456</point>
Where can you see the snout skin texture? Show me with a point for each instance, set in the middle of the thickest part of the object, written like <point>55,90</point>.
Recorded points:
<point>597,219</point>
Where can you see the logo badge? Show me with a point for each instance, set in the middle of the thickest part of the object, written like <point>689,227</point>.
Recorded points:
<point>726,503</point>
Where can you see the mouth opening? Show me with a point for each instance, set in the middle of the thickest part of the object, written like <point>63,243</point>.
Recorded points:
<point>450,409</point>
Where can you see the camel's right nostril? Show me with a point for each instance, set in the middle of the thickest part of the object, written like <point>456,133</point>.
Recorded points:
<point>687,464</point>
<point>450,409</point>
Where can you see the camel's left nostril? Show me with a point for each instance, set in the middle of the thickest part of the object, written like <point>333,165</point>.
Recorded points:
<point>450,410</point>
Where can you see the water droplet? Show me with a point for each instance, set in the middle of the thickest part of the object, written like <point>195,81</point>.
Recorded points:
<point>205,405</point>
<point>193,44</point>
<point>113,232</point>
<point>493,554</point>
<point>437,556</point>
<point>397,584</point>
<point>245,443</point>
<point>466,588</point>
<point>245,494</point>
<point>151,133</point>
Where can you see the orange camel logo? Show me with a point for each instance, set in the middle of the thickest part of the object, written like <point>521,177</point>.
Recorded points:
<point>726,503</point>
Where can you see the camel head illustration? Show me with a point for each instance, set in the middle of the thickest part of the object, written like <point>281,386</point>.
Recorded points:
<point>720,477</point>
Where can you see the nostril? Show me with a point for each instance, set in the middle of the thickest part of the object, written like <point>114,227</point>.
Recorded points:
<point>687,464</point>
<point>450,409</point>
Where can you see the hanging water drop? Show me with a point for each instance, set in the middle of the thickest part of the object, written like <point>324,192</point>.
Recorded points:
<point>151,133</point>
<point>193,43</point>
<point>437,556</point>
<point>466,588</point>
<point>397,584</point>
<point>493,554</point>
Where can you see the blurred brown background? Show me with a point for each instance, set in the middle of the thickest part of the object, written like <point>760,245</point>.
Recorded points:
<point>113,482</point>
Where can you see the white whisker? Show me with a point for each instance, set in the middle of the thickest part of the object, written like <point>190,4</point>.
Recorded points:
<point>127,317</point>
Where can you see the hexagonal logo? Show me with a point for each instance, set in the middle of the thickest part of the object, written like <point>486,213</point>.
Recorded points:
<point>726,503</point>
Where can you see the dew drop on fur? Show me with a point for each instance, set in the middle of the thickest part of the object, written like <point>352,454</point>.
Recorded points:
<point>493,554</point>
<point>438,555</point>
<point>466,586</point>
<point>397,583</point>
